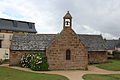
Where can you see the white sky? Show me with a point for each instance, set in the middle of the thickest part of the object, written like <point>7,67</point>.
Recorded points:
<point>89,16</point>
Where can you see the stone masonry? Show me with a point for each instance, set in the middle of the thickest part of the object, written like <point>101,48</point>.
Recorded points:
<point>15,56</point>
<point>97,57</point>
<point>65,50</point>
<point>56,52</point>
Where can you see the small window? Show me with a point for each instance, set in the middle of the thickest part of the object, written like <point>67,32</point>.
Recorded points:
<point>88,56</point>
<point>68,54</point>
<point>30,25</point>
<point>15,23</point>
<point>10,37</point>
<point>0,43</point>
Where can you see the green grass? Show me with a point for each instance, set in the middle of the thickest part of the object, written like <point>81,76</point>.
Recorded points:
<point>101,77</point>
<point>14,74</point>
<point>112,65</point>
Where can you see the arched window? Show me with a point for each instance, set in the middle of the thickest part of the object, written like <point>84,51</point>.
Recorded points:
<point>68,54</point>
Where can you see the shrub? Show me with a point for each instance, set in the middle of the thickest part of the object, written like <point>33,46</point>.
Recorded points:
<point>116,52</point>
<point>35,61</point>
<point>1,61</point>
<point>5,61</point>
<point>26,60</point>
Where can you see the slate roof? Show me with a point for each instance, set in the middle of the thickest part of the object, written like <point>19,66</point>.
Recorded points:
<point>111,44</point>
<point>94,42</point>
<point>31,41</point>
<point>41,41</point>
<point>17,26</point>
<point>118,45</point>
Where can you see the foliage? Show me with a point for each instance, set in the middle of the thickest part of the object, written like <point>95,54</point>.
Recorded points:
<point>26,60</point>
<point>116,52</point>
<point>101,77</point>
<point>112,65</point>
<point>35,61</point>
<point>4,61</point>
<point>14,74</point>
<point>1,61</point>
<point>39,62</point>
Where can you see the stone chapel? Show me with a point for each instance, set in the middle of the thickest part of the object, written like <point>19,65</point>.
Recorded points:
<point>65,50</point>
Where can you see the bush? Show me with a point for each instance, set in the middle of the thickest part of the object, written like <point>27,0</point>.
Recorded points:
<point>1,61</point>
<point>5,61</point>
<point>26,60</point>
<point>35,61</point>
<point>116,52</point>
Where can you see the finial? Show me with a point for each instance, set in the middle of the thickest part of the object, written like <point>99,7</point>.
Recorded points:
<point>68,15</point>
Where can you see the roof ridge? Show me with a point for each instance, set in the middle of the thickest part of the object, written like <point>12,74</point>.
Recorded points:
<point>90,34</point>
<point>113,40</point>
<point>17,20</point>
<point>46,34</point>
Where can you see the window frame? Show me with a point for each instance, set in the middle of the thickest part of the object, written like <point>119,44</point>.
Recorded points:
<point>0,43</point>
<point>30,25</point>
<point>68,54</point>
<point>15,23</point>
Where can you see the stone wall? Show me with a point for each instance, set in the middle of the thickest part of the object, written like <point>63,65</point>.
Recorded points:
<point>117,56</point>
<point>2,53</point>
<point>56,52</point>
<point>5,42</point>
<point>97,56</point>
<point>118,49</point>
<point>15,56</point>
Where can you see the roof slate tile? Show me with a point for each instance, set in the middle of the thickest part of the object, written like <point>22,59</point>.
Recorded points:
<point>21,26</point>
<point>41,41</point>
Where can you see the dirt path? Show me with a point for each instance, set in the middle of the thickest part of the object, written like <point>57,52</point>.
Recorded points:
<point>72,74</point>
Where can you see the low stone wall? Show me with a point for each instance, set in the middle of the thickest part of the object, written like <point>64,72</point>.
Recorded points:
<point>15,56</point>
<point>97,57</point>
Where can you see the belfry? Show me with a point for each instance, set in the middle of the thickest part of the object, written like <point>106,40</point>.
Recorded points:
<point>67,20</point>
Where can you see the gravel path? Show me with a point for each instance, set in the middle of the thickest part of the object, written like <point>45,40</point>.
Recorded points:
<point>71,74</point>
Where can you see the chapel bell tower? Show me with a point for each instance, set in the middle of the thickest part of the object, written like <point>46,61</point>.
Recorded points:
<point>67,20</point>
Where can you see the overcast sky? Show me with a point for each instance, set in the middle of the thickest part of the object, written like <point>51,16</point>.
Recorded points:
<point>89,16</point>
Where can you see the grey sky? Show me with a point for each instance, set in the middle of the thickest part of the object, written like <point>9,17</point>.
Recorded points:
<point>89,16</point>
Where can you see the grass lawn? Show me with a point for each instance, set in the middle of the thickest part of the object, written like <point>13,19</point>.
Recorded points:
<point>13,74</point>
<point>112,65</point>
<point>101,77</point>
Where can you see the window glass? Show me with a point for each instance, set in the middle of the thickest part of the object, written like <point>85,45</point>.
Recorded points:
<point>68,54</point>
